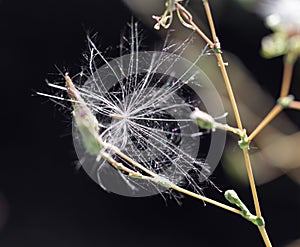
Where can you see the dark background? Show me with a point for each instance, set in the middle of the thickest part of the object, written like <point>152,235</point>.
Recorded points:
<point>45,201</point>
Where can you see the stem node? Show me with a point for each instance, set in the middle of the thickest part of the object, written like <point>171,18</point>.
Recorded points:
<point>284,102</point>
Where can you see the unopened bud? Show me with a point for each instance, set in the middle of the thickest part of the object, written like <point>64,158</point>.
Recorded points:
<point>203,119</point>
<point>86,122</point>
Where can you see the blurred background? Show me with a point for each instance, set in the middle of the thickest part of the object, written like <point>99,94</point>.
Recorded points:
<point>45,200</point>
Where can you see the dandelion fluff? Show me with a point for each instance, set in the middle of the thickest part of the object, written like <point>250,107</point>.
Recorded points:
<point>143,101</point>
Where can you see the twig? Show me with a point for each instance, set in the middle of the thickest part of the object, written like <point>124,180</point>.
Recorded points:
<point>272,114</point>
<point>295,105</point>
<point>288,68</point>
<point>229,90</point>
<point>155,178</point>
<point>210,20</point>
<point>195,27</point>
<point>237,116</point>
<point>239,123</point>
<point>252,182</point>
<point>285,87</point>
<point>218,204</point>
<point>236,113</point>
<point>282,103</point>
<point>265,236</point>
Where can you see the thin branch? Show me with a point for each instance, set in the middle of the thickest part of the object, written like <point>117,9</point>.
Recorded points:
<point>265,236</point>
<point>218,204</point>
<point>220,61</point>
<point>237,116</point>
<point>229,90</point>
<point>288,68</point>
<point>295,105</point>
<point>238,120</point>
<point>195,27</point>
<point>252,182</point>
<point>272,114</point>
<point>210,20</point>
<point>155,178</point>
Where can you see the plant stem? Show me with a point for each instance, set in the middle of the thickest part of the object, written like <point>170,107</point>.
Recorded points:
<point>227,127</point>
<point>295,105</point>
<point>272,114</point>
<point>196,28</point>
<point>229,90</point>
<point>208,200</point>
<point>210,20</point>
<point>222,65</point>
<point>252,182</point>
<point>219,58</point>
<point>288,68</point>
<point>133,162</point>
<point>265,236</point>
<point>158,180</point>
<point>239,123</point>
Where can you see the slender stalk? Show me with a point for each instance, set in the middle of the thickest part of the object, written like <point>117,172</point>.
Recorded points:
<point>220,60</point>
<point>156,179</point>
<point>239,123</point>
<point>288,68</point>
<point>252,182</point>
<point>196,28</point>
<point>222,66</point>
<point>133,162</point>
<point>272,114</point>
<point>208,200</point>
<point>265,236</point>
<point>227,127</point>
<point>210,20</point>
<point>295,105</point>
<point>229,90</point>
<point>159,180</point>
<point>236,112</point>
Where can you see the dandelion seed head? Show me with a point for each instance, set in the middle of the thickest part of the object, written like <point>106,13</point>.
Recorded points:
<point>143,101</point>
